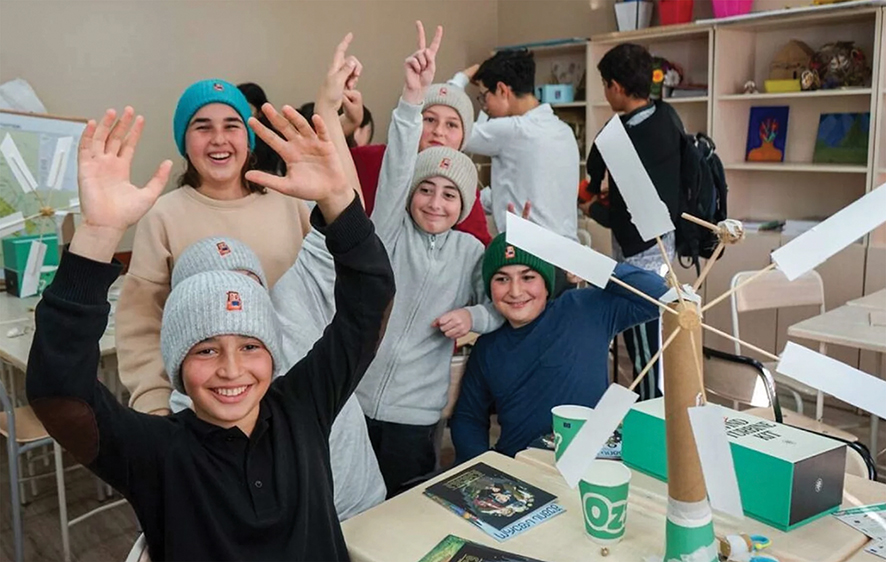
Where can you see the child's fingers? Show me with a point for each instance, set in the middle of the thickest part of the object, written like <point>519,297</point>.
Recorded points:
<point>422,58</point>
<point>412,64</point>
<point>271,181</point>
<point>132,137</point>
<point>438,38</point>
<point>84,151</point>
<point>119,131</point>
<point>340,51</point>
<point>320,127</point>
<point>102,131</point>
<point>421,34</point>
<point>279,122</point>
<point>297,120</point>
<point>270,137</point>
<point>155,185</point>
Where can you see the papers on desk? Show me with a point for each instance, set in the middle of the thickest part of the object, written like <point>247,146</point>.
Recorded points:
<point>457,549</point>
<point>497,503</point>
<point>870,520</point>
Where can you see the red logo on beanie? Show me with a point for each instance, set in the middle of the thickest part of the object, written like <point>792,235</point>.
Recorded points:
<point>234,301</point>
<point>444,164</point>
<point>443,91</point>
<point>218,86</point>
<point>223,248</point>
<point>510,253</point>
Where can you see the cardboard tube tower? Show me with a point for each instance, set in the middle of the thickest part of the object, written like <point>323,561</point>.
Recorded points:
<point>690,530</point>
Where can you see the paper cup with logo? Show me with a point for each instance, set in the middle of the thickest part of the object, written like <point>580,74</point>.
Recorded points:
<point>604,501</point>
<point>567,421</point>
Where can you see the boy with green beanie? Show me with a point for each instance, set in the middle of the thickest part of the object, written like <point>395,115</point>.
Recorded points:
<point>550,352</point>
<point>245,475</point>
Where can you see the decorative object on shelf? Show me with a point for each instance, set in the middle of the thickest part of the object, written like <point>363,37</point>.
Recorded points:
<point>767,134</point>
<point>633,14</point>
<point>570,72</point>
<point>689,91</point>
<point>809,80</point>
<point>776,86</point>
<point>841,64</point>
<point>790,61</point>
<point>672,12</point>
<point>728,8</point>
<point>750,87</point>
<point>842,138</point>
<point>554,93</point>
<point>665,75</point>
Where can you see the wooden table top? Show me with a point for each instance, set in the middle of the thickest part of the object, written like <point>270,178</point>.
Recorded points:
<point>408,526</point>
<point>874,300</point>
<point>848,325</point>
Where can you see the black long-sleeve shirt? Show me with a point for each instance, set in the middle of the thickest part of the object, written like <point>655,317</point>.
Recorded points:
<point>658,142</point>
<point>202,492</point>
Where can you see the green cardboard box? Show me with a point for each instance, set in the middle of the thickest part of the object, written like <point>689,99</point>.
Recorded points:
<point>15,260</point>
<point>787,477</point>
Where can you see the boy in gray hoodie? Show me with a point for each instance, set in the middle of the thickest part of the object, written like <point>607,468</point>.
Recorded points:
<point>421,196</point>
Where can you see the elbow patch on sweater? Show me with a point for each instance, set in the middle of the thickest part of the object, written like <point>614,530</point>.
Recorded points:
<point>71,422</point>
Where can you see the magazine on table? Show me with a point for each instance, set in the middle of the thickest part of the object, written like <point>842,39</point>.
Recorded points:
<point>499,504</point>
<point>457,549</point>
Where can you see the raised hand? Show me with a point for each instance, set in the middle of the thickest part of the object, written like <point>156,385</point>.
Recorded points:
<point>109,203</point>
<point>454,324</point>
<point>527,208</point>
<point>352,101</point>
<point>313,169</point>
<point>343,73</point>
<point>421,65</point>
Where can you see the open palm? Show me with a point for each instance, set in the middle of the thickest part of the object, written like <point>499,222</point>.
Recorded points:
<point>108,199</point>
<point>313,169</point>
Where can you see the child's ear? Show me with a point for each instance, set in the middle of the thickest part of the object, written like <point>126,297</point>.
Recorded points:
<point>502,89</point>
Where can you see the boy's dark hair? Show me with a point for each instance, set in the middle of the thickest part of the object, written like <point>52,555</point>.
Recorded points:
<point>631,66</point>
<point>367,120</point>
<point>514,68</point>
<point>254,94</point>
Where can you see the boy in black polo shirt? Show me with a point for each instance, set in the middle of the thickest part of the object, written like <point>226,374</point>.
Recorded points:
<point>246,474</point>
<point>655,130</point>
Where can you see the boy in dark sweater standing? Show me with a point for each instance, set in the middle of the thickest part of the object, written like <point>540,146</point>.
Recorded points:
<point>245,475</point>
<point>655,130</point>
<point>550,352</point>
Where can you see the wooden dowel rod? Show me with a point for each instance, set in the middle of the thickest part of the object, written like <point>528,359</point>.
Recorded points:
<point>736,340</point>
<point>709,266</point>
<point>652,361</point>
<point>700,222</point>
<point>728,293</point>
<point>641,294</point>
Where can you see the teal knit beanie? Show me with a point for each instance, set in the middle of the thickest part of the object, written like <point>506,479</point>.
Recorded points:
<point>203,93</point>
<point>500,254</point>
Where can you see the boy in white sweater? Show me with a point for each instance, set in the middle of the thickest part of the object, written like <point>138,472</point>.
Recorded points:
<point>438,272</point>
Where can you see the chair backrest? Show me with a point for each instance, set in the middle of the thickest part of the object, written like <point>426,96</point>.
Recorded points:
<point>139,551</point>
<point>740,379</point>
<point>456,372</point>
<point>773,290</point>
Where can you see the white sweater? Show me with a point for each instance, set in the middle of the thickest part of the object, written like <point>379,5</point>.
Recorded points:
<point>534,158</point>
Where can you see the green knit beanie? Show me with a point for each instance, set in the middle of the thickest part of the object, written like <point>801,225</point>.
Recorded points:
<point>500,254</point>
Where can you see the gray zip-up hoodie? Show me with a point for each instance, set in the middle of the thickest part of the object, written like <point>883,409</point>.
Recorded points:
<point>435,274</point>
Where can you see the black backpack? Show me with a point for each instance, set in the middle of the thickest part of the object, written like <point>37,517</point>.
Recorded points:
<point>702,194</point>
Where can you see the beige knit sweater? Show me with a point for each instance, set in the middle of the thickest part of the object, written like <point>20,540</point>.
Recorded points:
<point>273,225</point>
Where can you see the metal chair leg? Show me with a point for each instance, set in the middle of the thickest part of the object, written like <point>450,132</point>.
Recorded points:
<point>13,459</point>
<point>62,500</point>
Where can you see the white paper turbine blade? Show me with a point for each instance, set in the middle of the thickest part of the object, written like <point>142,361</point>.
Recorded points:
<point>832,235</point>
<point>709,429</point>
<point>648,213</point>
<point>11,224</point>
<point>835,378</point>
<point>564,253</point>
<point>608,413</point>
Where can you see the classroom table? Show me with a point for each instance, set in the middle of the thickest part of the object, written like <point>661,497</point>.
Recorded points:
<point>850,325</point>
<point>875,300</point>
<point>407,527</point>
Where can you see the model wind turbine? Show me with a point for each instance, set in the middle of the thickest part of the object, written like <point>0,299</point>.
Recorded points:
<point>49,217</point>
<point>692,490</point>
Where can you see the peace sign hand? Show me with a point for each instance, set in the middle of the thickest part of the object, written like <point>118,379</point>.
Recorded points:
<point>421,65</point>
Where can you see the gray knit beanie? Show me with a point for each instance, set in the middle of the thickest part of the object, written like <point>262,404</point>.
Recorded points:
<point>217,253</point>
<point>216,303</point>
<point>441,161</point>
<point>457,99</point>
